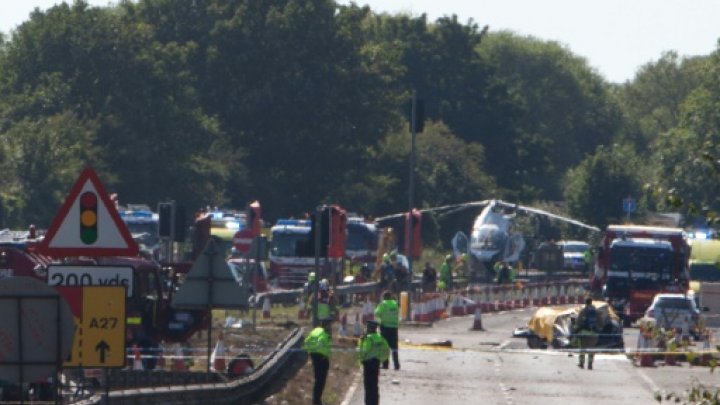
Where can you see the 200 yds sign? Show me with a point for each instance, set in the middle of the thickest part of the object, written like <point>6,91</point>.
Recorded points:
<point>83,276</point>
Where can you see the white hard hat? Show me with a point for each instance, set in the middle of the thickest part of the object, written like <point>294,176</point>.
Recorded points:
<point>324,284</point>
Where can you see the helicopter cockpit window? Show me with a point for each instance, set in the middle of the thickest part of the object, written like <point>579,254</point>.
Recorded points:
<point>491,239</point>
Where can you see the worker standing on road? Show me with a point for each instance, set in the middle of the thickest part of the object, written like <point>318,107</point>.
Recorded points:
<point>585,333</point>
<point>429,278</point>
<point>317,344</point>
<point>372,350</point>
<point>387,314</point>
<point>446,275</point>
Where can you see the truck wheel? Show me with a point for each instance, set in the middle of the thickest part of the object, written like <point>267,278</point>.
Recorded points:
<point>241,365</point>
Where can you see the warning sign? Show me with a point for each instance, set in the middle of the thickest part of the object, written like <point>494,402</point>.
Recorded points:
<point>99,314</point>
<point>88,224</point>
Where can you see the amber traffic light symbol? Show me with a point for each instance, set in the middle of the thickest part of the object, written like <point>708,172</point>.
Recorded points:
<point>88,218</point>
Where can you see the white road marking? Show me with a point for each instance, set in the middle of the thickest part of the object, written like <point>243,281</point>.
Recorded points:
<point>351,391</point>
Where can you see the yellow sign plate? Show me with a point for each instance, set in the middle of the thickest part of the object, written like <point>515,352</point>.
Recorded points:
<point>100,329</point>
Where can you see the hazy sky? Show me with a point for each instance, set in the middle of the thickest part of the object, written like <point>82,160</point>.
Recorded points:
<point>615,36</point>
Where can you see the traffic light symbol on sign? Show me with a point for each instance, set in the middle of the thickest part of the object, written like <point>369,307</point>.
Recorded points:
<point>88,218</point>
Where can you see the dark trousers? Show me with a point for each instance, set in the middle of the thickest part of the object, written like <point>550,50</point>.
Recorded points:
<point>321,365</point>
<point>371,375</point>
<point>391,335</point>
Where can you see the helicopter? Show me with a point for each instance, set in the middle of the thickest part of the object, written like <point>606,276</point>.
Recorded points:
<point>496,235</point>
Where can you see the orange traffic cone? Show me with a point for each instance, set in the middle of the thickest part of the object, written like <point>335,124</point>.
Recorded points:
<point>477,322</point>
<point>266,308</point>
<point>217,359</point>
<point>137,358</point>
<point>179,359</point>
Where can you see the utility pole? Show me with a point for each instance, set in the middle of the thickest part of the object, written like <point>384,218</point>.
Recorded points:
<point>411,195</point>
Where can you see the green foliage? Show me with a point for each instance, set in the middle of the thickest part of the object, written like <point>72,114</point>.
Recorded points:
<point>565,113</point>
<point>594,190</point>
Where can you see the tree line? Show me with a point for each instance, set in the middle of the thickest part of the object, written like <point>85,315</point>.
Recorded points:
<point>302,102</point>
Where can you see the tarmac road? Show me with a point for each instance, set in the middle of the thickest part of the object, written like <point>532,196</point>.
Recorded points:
<point>491,367</point>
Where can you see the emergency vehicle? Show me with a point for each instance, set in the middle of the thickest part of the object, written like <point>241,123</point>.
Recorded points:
<point>636,262</point>
<point>142,223</point>
<point>292,255</point>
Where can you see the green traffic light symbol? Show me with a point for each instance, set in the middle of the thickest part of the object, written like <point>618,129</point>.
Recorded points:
<point>88,218</point>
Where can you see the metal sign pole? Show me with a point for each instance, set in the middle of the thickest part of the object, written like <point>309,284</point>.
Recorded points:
<point>316,281</point>
<point>211,255</point>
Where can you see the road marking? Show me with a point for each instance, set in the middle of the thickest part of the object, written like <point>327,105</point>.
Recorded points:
<point>648,380</point>
<point>351,391</point>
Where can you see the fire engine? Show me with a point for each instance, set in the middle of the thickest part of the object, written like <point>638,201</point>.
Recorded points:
<point>292,256</point>
<point>636,262</point>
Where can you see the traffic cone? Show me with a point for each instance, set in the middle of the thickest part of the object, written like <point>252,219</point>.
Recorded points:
<point>302,314</point>
<point>477,322</point>
<point>357,329</point>
<point>137,359</point>
<point>179,359</point>
<point>217,359</point>
<point>266,308</point>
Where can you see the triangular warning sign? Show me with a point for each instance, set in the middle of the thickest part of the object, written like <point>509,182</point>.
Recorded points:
<point>210,283</point>
<point>88,224</point>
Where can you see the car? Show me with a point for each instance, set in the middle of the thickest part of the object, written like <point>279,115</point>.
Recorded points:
<point>675,311</point>
<point>574,254</point>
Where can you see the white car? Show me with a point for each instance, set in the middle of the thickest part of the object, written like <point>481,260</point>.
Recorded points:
<point>675,311</point>
<point>574,254</point>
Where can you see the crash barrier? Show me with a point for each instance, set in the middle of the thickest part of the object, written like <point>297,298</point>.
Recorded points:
<point>269,377</point>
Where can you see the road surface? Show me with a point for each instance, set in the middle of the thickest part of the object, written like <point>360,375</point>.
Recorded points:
<point>493,368</point>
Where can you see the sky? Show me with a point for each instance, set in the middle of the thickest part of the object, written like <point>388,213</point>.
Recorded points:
<point>616,37</point>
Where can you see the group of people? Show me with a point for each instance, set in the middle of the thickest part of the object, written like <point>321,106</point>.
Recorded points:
<point>373,349</point>
<point>394,274</point>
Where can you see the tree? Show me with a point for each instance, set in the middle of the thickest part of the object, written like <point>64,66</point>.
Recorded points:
<point>566,112</point>
<point>594,190</point>
<point>652,101</point>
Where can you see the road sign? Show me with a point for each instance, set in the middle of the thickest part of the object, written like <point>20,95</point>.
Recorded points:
<point>243,239</point>
<point>36,329</point>
<point>85,276</point>
<point>210,283</point>
<point>629,205</point>
<point>88,224</point>
<point>100,326</point>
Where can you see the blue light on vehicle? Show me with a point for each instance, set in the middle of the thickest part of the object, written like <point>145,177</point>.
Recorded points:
<point>293,222</point>
<point>234,225</point>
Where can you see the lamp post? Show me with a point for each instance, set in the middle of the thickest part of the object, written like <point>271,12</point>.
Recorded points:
<point>411,195</point>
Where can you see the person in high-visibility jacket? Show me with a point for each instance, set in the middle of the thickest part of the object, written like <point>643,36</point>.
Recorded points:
<point>372,350</point>
<point>387,314</point>
<point>317,344</point>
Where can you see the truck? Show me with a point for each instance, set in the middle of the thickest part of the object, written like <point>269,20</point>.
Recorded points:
<point>292,253</point>
<point>636,262</point>
<point>291,257</point>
